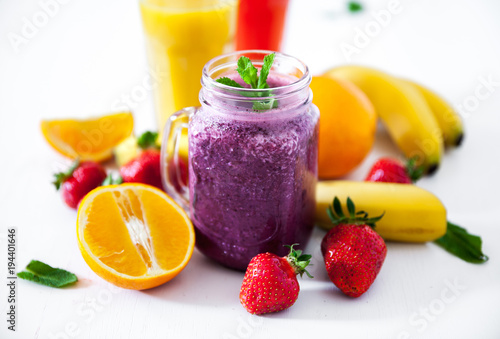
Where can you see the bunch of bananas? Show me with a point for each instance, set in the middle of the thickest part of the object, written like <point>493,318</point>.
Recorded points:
<point>419,121</point>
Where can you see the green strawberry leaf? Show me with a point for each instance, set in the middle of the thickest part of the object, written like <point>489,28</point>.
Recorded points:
<point>61,177</point>
<point>337,216</point>
<point>147,140</point>
<point>350,208</point>
<point>111,180</point>
<point>337,207</point>
<point>44,274</point>
<point>460,243</point>
<point>298,261</point>
<point>414,171</point>
<point>304,257</point>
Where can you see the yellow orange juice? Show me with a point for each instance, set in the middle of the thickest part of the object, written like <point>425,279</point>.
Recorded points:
<point>181,36</point>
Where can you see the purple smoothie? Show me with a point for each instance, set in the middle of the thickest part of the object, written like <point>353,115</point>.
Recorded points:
<point>252,178</point>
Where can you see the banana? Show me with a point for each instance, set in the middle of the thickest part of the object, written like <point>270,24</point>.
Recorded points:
<point>126,151</point>
<point>448,119</point>
<point>404,111</point>
<point>411,214</point>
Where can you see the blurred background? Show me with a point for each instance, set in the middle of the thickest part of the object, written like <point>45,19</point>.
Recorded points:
<point>92,53</point>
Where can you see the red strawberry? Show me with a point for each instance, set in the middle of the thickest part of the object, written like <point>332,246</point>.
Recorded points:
<point>353,251</point>
<point>79,180</point>
<point>270,283</point>
<point>178,174</point>
<point>145,168</point>
<point>392,170</point>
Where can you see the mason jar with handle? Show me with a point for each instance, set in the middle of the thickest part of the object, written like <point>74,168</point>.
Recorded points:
<point>252,160</point>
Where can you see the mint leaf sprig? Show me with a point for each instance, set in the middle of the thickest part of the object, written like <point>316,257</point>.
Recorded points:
<point>462,244</point>
<point>249,74</point>
<point>228,82</point>
<point>44,274</point>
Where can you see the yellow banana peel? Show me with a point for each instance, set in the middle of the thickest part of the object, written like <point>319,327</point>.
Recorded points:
<point>411,214</point>
<point>448,119</point>
<point>404,111</point>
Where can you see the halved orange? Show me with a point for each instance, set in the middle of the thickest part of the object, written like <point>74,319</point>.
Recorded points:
<point>134,235</point>
<point>89,139</point>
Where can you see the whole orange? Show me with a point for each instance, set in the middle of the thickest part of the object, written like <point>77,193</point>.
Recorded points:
<point>346,127</point>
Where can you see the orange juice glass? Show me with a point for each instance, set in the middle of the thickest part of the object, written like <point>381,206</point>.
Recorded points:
<point>181,36</point>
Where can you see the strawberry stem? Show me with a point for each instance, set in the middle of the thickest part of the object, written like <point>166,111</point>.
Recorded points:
<point>112,180</point>
<point>414,172</point>
<point>147,140</point>
<point>338,217</point>
<point>298,261</point>
<point>61,177</point>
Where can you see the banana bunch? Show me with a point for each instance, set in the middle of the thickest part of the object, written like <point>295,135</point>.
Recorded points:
<point>419,121</point>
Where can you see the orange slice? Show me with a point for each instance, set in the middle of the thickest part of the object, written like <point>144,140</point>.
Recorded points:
<point>134,235</point>
<point>90,139</point>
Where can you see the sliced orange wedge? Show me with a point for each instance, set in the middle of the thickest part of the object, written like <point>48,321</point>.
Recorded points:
<point>90,139</point>
<point>134,235</point>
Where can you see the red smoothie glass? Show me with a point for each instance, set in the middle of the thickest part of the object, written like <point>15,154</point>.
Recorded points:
<point>252,173</point>
<point>261,24</point>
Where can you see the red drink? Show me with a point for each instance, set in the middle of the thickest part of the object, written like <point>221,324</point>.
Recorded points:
<point>260,24</point>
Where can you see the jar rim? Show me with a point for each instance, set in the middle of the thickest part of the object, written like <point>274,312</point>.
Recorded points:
<point>208,81</point>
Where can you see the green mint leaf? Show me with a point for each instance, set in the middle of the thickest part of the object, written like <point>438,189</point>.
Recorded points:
<point>61,177</point>
<point>264,105</point>
<point>248,74</point>
<point>44,274</point>
<point>354,6</point>
<point>460,243</point>
<point>247,71</point>
<point>228,82</point>
<point>147,140</point>
<point>264,72</point>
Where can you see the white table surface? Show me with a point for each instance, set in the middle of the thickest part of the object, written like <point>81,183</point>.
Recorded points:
<point>91,53</point>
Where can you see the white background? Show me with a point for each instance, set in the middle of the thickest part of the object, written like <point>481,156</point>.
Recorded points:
<point>90,54</point>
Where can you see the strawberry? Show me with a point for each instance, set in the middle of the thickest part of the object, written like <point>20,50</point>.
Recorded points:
<point>145,168</point>
<point>353,251</point>
<point>392,170</point>
<point>80,179</point>
<point>178,174</point>
<point>270,283</point>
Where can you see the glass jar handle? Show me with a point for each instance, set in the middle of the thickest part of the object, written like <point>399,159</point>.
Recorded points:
<point>171,168</point>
